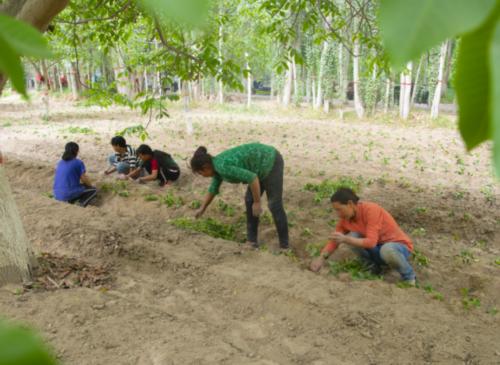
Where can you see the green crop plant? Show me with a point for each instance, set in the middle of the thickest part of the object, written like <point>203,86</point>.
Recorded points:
<point>435,294</point>
<point>209,226</point>
<point>118,187</point>
<point>314,249</point>
<point>151,197</point>
<point>170,200</point>
<point>420,259</point>
<point>195,204</point>
<point>469,301</point>
<point>354,267</point>
<point>225,208</point>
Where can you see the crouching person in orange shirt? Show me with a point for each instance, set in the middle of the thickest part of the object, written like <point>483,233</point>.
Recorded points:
<point>371,232</point>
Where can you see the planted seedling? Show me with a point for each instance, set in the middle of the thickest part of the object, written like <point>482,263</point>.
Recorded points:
<point>208,226</point>
<point>151,197</point>
<point>314,249</point>
<point>171,200</point>
<point>420,259</point>
<point>354,267</point>
<point>225,208</point>
<point>195,204</point>
<point>469,301</point>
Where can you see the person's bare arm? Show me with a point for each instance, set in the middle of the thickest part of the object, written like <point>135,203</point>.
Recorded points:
<point>151,177</point>
<point>134,173</point>
<point>85,180</point>
<point>255,190</point>
<point>208,199</point>
<point>110,170</point>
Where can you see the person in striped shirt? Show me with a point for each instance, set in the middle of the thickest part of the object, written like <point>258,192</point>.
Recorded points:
<point>124,159</point>
<point>372,233</point>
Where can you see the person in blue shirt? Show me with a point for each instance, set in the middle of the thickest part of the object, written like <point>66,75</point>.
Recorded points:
<point>71,183</point>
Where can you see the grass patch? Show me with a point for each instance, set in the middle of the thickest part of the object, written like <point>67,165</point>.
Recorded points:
<point>354,267</point>
<point>209,226</point>
<point>81,130</point>
<point>326,188</point>
<point>118,188</point>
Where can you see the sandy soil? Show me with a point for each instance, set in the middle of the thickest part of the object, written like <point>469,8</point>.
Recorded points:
<point>180,297</point>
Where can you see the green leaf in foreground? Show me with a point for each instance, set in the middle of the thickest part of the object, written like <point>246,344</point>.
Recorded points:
<point>23,38</point>
<point>410,27</point>
<point>473,84</point>
<point>10,64</point>
<point>20,346</point>
<point>495,94</point>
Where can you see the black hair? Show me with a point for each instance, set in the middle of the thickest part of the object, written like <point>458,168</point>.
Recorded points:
<point>343,195</point>
<point>144,149</point>
<point>118,141</point>
<point>200,159</point>
<point>70,151</point>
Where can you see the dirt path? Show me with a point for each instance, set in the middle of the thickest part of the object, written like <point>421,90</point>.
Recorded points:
<point>180,297</point>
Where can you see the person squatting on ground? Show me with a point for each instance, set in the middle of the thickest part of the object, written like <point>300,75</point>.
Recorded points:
<point>71,183</point>
<point>123,160</point>
<point>372,233</point>
<point>258,165</point>
<point>158,165</point>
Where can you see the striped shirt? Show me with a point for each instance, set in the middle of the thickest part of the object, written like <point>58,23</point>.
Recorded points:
<point>129,157</point>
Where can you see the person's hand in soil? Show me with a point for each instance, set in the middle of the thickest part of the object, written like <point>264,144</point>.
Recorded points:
<point>199,213</point>
<point>317,264</point>
<point>122,177</point>
<point>256,209</point>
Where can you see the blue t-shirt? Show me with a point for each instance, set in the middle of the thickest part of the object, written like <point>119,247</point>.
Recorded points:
<point>67,184</point>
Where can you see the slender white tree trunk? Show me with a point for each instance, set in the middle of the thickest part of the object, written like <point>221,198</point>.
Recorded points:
<point>308,87</point>
<point>221,43</point>
<point>249,82</point>
<point>313,92</point>
<point>437,93</point>
<point>405,90</point>
<point>287,89</point>
<point>388,84</point>
<point>415,84</point>
<point>358,106</point>
<point>146,81</point>
<point>16,253</point>
<point>321,70</point>
<point>295,82</point>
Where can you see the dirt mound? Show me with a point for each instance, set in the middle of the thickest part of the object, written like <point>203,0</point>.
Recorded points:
<point>182,297</point>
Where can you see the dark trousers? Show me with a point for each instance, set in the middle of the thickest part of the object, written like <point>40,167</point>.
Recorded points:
<point>273,186</point>
<point>166,175</point>
<point>85,197</point>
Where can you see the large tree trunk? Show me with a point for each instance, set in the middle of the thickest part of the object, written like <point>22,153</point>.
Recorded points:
<point>16,255</point>
<point>437,93</point>
<point>38,13</point>
<point>358,106</point>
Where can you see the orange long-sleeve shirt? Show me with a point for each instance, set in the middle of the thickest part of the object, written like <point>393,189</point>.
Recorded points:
<point>375,224</point>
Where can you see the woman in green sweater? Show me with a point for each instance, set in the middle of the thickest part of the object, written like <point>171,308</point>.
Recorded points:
<point>255,164</point>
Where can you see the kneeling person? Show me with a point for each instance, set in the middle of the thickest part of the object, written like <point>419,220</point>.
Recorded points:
<point>158,165</point>
<point>372,233</point>
<point>71,183</point>
<point>124,159</point>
